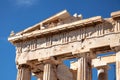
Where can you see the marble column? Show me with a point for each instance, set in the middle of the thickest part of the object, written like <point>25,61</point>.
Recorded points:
<point>118,65</point>
<point>24,73</point>
<point>84,68</point>
<point>103,72</point>
<point>49,73</point>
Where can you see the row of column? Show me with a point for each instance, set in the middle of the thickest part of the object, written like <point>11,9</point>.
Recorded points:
<point>84,70</point>
<point>24,72</point>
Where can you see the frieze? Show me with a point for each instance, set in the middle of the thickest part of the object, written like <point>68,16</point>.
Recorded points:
<point>70,36</point>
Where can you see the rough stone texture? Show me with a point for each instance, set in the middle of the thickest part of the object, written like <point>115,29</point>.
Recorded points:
<point>63,73</point>
<point>62,37</point>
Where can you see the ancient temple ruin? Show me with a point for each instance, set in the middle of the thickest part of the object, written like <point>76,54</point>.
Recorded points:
<point>42,48</point>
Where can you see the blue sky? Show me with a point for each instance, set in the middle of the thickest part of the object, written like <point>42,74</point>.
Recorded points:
<point>19,14</point>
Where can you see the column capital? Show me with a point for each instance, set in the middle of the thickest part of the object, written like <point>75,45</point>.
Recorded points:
<point>103,67</point>
<point>23,66</point>
<point>52,60</point>
<point>88,55</point>
<point>83,55</point>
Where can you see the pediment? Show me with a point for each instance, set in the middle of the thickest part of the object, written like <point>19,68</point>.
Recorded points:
<point>60,18</point>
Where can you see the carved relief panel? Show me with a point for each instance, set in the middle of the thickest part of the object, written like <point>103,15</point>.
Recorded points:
<point>41,43</point>
<point>49,41</point>
<point>56,39</point>
<point>70,36</point>
<point>33,44</point>
<point>19,47</point>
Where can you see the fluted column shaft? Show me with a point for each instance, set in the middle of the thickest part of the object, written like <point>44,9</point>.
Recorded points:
<point>24,73</point>
<point>49,73</point>
<point>118,65</point>
<point>84,68</point>
<point>103,73</point>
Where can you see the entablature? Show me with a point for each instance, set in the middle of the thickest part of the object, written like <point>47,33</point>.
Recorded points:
<point>71,38</point>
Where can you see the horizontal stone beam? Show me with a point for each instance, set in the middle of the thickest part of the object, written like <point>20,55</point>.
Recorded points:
<point>100,61</point>
<point>89,21</point>
<point>115,14</point>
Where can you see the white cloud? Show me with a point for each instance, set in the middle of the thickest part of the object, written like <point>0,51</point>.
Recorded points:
<point>26,2</point>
